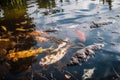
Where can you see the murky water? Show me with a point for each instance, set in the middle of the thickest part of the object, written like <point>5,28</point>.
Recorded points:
<point>20,17</point>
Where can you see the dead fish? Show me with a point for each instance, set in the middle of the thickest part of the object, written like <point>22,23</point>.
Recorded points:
<point>88,73</point>
<point>26,53</point>
<point>84,54</point>
<point>55,55</point>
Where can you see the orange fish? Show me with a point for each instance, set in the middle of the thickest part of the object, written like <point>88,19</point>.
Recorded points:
<point>41,38</point>
<point>36,33</point>
<point>81,35</point>
<point>26,53</point>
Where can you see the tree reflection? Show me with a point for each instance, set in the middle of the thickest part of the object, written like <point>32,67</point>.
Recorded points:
<point>16,24</point>
<point>46,3</point>
<point>109,3</point>
<point>13,8</point>
<point>49,6</point>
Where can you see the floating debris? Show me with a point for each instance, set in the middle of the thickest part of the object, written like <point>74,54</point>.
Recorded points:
<point>88,73</point>
<point>84,54</point>
<point>96,25</point>
<point>116,32</point>
<point>55,55</point>
<point>67,76</point>
<point>52,30</point>
<point>100,38</point>
<point>111,17</point>
<point>73,26</point>
<point>113,43</point>
<point>26,53</point>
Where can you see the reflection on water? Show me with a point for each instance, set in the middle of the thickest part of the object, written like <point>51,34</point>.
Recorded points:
<point>15,17</point>
<point>48,4</point>
<point>20,17</point>
<point>18,7</point>
<point>109,3</point>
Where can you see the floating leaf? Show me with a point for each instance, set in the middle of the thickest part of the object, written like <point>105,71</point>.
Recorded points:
<point>4,28</point>
<point>81,35</point>
<point>26,53</point>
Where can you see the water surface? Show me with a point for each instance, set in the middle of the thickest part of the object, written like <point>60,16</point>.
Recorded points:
<point>42,15</point>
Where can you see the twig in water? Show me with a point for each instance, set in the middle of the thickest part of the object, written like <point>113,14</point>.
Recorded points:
<point>52,77</point>
<point>116,73</point>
